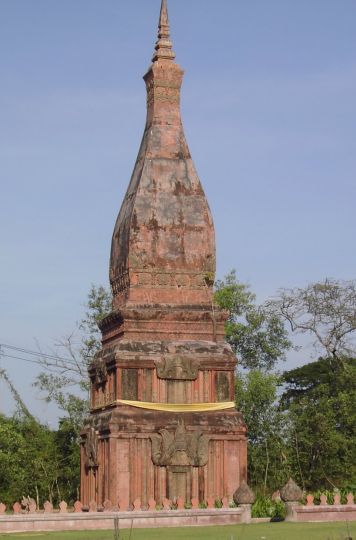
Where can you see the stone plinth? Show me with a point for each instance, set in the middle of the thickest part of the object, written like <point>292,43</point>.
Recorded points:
<point>105,521</point>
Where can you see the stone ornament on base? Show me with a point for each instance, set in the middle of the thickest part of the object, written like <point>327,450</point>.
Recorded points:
<point>323,500</point>
<point>28,505</point>
<point>17,508</point>
<point>244,494</point>
<point>123,505</point>
<point>93,507</point>
<point>2,508</point>
<point>245,497</point>
<point>48,507</point>
<point>291,494</point>
<point>108,506</point>
<point>78,507</point>
<point>32,508</point>
<point>63,507</point>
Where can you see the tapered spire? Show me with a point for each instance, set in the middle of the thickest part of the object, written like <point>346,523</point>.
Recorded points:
<point>163,246</point>
<point>163,48</point>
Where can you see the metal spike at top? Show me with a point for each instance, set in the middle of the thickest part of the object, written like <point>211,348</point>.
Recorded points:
<point>163,48</point>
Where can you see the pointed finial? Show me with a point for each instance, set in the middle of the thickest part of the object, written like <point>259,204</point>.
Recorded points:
<point>163,48</point>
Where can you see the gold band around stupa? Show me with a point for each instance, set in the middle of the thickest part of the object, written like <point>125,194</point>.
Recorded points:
<point>179,407</point>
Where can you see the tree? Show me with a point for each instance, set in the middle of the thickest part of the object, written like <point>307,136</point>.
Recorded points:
<point>259,339</point>
<point>256,398</point>
<point>66,441</point>
<point>20,404</point>
<point>327,311</point>
<point>256,334</point>
<point>320,400</point>
<point>64,379</point>
<point>30,461</point>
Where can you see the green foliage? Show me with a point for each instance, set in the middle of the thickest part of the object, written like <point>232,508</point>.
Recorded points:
<point>37,461</point>
<point>266,507</point>
<point>256,398</point>
<point>66,441</point>
<point>308,432</point>
<point>99,305</point>
<point>256,334</point>
<point>32,462</point>
<point>321,404</point>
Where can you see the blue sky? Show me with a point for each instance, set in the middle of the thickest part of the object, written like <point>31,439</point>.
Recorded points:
<point>269,111</point>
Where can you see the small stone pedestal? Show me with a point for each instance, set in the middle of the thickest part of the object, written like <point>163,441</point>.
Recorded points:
<point>244,497</point>
<point>291,495</point>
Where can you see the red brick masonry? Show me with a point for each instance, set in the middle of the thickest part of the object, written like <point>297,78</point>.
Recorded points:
<point>163,342</point>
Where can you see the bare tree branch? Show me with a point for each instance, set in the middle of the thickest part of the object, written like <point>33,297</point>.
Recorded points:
<point>327,310</point>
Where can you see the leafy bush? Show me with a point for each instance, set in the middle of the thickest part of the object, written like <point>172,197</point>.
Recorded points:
<point>266,507</point>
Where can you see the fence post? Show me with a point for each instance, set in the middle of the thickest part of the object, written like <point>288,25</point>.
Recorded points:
<point>116,529</point>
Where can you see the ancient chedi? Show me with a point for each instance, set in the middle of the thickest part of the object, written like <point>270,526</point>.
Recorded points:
<point>162,421</point>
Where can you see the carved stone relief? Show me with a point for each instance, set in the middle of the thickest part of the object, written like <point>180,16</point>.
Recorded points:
<point>100,372</point>
<point>222,386</point>
<point>91,449</point>
<point>180,449</point>
<point>129,384</point>
<point>178,368</point>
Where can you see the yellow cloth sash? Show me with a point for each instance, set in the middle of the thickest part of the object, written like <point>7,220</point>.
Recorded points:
<point>179,407</point>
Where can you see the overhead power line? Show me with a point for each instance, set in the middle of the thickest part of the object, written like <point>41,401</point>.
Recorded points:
<point>34,353</point>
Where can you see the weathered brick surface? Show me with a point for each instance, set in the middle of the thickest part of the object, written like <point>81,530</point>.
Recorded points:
<point>164,340</point>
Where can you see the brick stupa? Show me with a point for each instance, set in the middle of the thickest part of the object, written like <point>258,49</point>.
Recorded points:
<point>163,422</point>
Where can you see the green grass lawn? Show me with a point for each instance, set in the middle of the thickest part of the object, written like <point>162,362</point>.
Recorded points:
<point>263,531</point>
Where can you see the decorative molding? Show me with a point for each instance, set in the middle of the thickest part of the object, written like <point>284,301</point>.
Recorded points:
<point>158,279</point>
<point>161,279</point>
<point>120,283</point>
